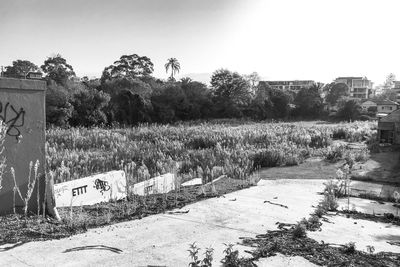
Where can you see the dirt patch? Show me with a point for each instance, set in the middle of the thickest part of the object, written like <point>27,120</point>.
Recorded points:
<point>283,242</point>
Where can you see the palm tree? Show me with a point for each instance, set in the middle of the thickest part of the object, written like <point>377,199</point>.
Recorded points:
<point>174,65</point>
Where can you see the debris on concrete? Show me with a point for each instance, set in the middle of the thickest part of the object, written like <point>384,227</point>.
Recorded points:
<point>277,204</point>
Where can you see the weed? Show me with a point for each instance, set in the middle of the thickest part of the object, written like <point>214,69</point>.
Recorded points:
<point>299,231</point>
<point>329,203</point>
<point>349,248</point>
<point>31,185</point>
<point>319,211</point>
<point>194,256</point>
<point>370,249</point>
<point>3,130</point>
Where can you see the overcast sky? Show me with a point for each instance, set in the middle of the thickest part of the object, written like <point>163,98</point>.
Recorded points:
<point>281,39</point>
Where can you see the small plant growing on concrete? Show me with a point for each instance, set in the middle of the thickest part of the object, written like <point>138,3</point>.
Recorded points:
<point>329,203</point>
<point>349,248</point>
<point>299,231</point>
<point>194,255</point>
<point>231,256</point>
<point>370,249</point>
<point>319,211</point>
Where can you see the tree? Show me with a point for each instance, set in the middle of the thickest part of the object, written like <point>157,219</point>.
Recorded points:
<point>89,107</point>
<point>280,103</point>
<point>389,82</point>
<point>253,79</point>
<point>230,86</point>
<point>58,106</point>
<point>57,69</point>
<point>335,92</point>
<point>390,94</point>
<point>170,104</point>
<point>231,93</point>
<point>130,100</point>
<point>128,66</point>
<point>20,69</point>
<point>174,65</point>
<point>308,102</point>
<point>349,109</point>
<point>198,97</point>
<point>186,80</point>
<point>261,107</point>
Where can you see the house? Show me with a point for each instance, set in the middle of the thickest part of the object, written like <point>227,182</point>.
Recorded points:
<point>386,106</point>
<point>367,104</point>
<point>294,85</point>
<point>389,128</point>
<point>34,75</point>
<point>359,87</point>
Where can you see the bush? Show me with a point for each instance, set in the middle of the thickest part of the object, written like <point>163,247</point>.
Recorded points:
<point>364,118</point>
<point>336,153</point>
<point>267,159</point>
<point>339,133</point>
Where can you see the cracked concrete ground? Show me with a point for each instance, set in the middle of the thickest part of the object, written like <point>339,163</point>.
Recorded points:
<point>163,240</point>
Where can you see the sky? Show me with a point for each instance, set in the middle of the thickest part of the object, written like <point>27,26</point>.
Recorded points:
<point>281,39</point>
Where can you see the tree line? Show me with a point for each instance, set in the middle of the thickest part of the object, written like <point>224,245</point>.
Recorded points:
<point>128,94</point>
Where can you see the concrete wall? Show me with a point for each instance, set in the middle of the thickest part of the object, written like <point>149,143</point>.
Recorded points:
<point>22,108</point>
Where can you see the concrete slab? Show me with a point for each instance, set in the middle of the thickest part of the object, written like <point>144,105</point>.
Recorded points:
<point>364,233</point>
<point>368,206</point>
<point>280,260</point>
<point>163,240</point>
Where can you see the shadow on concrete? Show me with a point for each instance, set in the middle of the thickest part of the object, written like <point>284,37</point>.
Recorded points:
<point>389,238</point>
<point>94,247</point>
<point>12,246</point>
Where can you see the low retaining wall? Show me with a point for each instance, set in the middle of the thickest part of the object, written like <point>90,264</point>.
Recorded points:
<point>91,190</point>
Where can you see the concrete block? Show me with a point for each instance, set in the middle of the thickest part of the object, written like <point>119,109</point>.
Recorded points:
<point>157,185</point>
<point>91,190</point>
<point>195,181</point>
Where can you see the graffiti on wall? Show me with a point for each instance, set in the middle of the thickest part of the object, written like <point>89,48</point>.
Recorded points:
<point>14,119</point>
<point>101,185</point>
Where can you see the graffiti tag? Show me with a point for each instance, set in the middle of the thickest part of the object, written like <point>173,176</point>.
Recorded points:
<point>14,121</point>
<point>101,185</point>
<point>79,190</point>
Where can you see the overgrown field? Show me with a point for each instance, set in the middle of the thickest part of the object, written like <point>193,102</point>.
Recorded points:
<point>204,150</point>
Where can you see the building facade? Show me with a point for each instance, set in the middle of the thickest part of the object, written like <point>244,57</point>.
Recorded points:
<point>359,87</point>
<point>294,85</point>
<point>389,128</point>
<point>386,106</point>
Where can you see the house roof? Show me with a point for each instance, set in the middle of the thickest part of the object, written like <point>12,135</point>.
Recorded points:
<point>368,101</point>
<point>349,78</point>
<point>385,102</point>
<point>392,117</point>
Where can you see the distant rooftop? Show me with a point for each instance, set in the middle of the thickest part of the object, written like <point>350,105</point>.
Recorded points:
<point>385,102</point>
